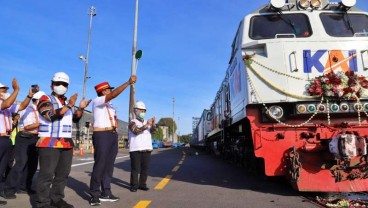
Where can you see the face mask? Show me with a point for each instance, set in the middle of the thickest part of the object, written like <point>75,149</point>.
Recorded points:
<point>5,95</point>
<point>60,90</point>
<point>142,115</point>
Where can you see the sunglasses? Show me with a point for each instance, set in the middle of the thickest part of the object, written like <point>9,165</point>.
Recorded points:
<point>60,83</point>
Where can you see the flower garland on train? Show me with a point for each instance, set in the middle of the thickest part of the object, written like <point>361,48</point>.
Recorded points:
<point>347,86</point>
<point>340,85</point>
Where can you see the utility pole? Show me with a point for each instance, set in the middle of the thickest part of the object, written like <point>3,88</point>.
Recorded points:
<point>177,126</point>
<point>134,62</point>
<point>91,14</point>
<point>173,119</point>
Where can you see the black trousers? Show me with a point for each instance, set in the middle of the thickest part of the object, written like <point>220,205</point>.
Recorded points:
<point>105,144</point>
<point>26,161</point>
<point>10,163</point>
<point>5,152</point>
<point>139,164</point>
<point>55,166</point>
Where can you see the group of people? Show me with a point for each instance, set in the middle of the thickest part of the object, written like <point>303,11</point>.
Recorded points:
<point>44,140</point>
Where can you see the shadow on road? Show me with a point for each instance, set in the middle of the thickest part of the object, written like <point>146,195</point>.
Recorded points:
<point>208,170</point>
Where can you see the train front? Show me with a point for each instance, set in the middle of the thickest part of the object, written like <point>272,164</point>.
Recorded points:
<point>305,67</point>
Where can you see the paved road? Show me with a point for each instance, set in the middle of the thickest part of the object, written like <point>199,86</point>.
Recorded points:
<point>181,180</point>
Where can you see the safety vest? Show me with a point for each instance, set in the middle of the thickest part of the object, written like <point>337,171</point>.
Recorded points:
<point>6,119</point>
<point>59,128</point>
<point>13,135</point>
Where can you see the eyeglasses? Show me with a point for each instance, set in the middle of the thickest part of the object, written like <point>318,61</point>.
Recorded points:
<point>60,83</point>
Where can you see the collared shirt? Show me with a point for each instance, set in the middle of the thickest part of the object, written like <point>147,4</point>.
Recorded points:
<point>140,138</point>
<point>104,114</point>
<point>6,119</point>
<point>136,127</point>
<point>29,116</point>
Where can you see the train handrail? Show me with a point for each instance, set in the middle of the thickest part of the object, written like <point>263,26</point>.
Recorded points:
<point>285,35</point>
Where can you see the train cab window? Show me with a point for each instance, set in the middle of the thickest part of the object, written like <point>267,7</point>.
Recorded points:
<point>209,116</point>
<point>279,25</point>
<point>345,25</point>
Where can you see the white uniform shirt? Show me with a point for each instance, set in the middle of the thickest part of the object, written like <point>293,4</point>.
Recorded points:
<point>141,141</point>
<point>101,118</point>
<point>29,116</point>
<point>6,119</point>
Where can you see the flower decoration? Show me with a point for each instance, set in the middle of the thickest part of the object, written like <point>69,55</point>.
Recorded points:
<point>339,85</point>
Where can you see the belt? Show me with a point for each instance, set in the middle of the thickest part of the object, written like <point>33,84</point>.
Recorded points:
<point>105,129</point>
<point>31,131</point>
<point>145,151</point>
<point>27,133</point>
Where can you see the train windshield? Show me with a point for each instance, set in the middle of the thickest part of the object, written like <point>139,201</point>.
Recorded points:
<point>345,25</point>
<point>279,25</point>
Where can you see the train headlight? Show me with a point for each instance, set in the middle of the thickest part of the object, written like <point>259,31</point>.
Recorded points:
<point>301,108</point>
<point>316,3</point>
<point>304,3</point>
<point>278,4</point>
<point>348,3</point>
<point>311,108</point>
<point>344,107</point>
<point>334,107</point>
<point>275,112</point>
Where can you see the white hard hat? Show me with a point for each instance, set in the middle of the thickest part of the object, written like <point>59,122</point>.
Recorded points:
<point>348,3</point>
<point>60,77</point>
<point>140,105</point>
<point>3,86</point>
<point>38,95</point>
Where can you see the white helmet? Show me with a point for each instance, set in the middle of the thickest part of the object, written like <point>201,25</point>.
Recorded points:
<point>140,105</point>
<point>3,86</point>
<point>60,77</point>
<point>38,95</point>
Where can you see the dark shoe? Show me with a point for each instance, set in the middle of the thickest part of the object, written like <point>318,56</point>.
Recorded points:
<point>133,189</point>
<point>21,191</point>
<point>28,191</point>
<point>144,188</point>
<point>61,204</point>
<point>31,191</point>
<point>7,195</point>
<point>3,203</point>
<point>110,198</point>
<point>95,201</point>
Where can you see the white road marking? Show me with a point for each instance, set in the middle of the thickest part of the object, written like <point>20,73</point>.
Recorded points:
<point>86,163</point>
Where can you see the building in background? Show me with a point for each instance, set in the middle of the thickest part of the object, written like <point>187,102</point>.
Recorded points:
<point>165,132</point>
<point>195,121</point>
<point>167,135</point>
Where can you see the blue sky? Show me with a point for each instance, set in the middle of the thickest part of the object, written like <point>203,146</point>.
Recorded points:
<point>186,48</point>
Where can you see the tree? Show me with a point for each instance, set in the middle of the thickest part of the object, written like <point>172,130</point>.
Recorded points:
<point>167,122</point>
<point>185,138</point>
<point>159,135</point>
